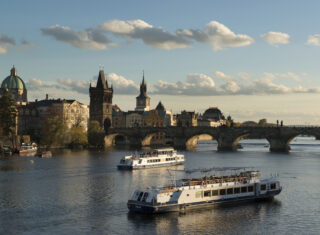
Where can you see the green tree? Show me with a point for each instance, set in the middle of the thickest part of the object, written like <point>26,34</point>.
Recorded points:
<point>54,131</point>
<point>78,136</point>
<point>95,134</point>
<point>262,122</point>
<point>8,114</point>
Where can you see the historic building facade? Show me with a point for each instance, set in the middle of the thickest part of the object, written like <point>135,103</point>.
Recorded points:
<point>101,101</point>
<point>72,112</point>
<point>187,119</point>
<point>143,100</point>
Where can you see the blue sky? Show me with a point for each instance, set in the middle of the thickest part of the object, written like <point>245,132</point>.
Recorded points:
<point>252,59</point>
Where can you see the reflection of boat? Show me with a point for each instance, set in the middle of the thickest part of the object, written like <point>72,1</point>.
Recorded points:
<point>44,154</point>
<point>28,149</point>
<point>239,186</point>
<point>152,158</point>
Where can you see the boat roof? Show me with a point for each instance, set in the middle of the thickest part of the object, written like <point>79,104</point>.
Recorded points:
<point>164,149</point>
<point>217,169</point>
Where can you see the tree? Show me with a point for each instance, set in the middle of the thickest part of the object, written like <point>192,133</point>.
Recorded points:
<point>95,134</point>
<point>78,136</point>
<point>54,131</point>
<point>8,114</point>
<point>262,122</point>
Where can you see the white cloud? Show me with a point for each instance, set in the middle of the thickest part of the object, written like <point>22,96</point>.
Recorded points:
<point>124,27</point>
<point>34,83</point>
<point>195,84</point>
<point>218,35</point>
<point>314,40</point>
<point>230,83</point>
<point>203,85</point>
<point>122,85</point>
<point>87,39</point>
<point>5,43</point>
<point>150,35</point>
<point>275,38</point>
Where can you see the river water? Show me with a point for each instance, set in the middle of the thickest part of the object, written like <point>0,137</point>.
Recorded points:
<point>82,192</point>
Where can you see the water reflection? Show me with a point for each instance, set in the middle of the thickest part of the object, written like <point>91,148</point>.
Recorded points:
<point>217,220</point>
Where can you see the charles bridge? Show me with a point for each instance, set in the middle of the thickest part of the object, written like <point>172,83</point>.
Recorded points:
<point>279,138</point>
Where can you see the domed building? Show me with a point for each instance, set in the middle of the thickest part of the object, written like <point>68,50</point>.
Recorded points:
<point>16,87</point>
<point>212,117</point>
<point>213,113</point>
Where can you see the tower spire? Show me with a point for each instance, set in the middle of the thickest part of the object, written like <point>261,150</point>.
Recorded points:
<point>142,76</point>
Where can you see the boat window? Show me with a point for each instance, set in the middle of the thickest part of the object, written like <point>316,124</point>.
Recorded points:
<point>198,194</point>
<point>230,191</point>
<point>250,188</point>
<point>273,186</point>
<point>207,193</point>
<point>140,195</point>
<point>236,190</point>
<point>263,187</point>
<point>222,191</point>
<point>244,189</point>
<point>215,192</point>
<point>145,197</point>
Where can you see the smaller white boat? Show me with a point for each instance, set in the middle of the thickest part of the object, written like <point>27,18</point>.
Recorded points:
<point>28,149</point>
<point>151,158</point>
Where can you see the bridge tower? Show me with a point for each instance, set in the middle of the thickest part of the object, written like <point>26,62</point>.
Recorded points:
<point>101,102</point>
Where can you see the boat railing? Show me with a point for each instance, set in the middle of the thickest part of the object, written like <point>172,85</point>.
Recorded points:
<point>214,180</point>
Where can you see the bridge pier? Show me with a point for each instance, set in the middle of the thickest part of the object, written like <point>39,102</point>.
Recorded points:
<point>278,144</point>
<point>227,143</point>
<point>179,142</point>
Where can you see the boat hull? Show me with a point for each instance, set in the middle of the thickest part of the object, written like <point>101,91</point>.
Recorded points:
<point>129,167</point>
<point>175,207</point>
<point>30,153</point>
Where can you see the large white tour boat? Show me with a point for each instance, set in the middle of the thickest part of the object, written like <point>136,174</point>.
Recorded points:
<point>151,158</point>
<point>226,185</point>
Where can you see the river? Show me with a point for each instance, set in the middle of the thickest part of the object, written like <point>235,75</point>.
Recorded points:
<point>82,192</point>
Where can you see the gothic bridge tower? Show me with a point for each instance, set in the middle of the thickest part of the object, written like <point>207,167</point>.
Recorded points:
<point>101,102</point>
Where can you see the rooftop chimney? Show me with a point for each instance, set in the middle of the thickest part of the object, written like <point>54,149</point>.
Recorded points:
<point>47,96</point>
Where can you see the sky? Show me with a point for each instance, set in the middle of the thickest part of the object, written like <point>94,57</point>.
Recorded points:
<point>251,59</point>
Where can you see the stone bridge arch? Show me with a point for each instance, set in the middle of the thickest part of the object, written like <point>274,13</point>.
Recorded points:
<point>109,139</point>
<point>147,139</point>
<point>193,140</point>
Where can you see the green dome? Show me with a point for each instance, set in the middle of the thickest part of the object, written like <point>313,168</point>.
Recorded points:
<point>13,81</point>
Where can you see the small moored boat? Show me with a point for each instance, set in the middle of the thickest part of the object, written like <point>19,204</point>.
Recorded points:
<point>239,186</point>
<point>151,158</point>
<point>28,149</point>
